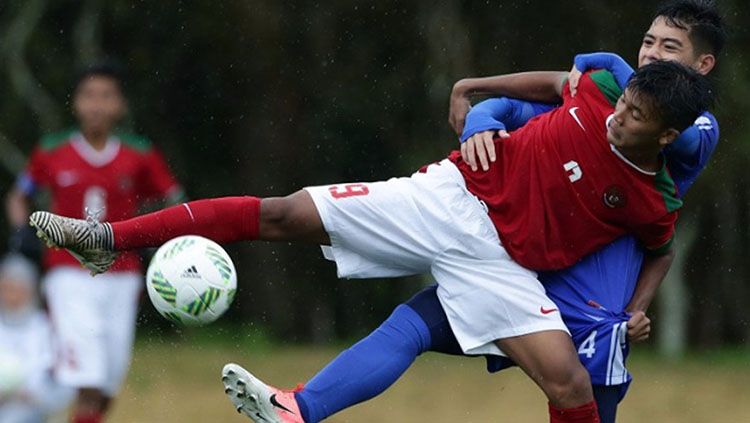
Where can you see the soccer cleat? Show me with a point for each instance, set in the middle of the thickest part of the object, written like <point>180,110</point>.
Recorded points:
<point>89,241</point>
<point>262,403</point>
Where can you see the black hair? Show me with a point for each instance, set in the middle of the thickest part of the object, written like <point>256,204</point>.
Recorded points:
<point>107,68</point>
<point>702,21</point>
<point>674,92</point>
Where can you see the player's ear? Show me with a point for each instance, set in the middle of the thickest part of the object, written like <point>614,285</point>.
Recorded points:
<point>668,136</point>
<point>705,63</point>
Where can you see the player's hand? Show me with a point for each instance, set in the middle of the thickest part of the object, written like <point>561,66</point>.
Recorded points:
<point>574,77</point>
<point>457,110</point>
<point>639,327</point>
<point>480,147</point>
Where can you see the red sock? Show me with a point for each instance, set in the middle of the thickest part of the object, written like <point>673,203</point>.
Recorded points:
<point>225,219</point>
<point>586,413</point>
<point>87,418</point>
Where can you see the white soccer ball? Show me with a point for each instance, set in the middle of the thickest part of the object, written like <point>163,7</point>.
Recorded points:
<point>191,280</point>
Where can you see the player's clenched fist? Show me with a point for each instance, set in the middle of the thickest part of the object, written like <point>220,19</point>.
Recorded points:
<point>639,327</point>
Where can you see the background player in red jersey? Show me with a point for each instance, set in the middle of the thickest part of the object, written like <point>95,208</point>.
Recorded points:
<point>449,221</point>
<point>93,170</point>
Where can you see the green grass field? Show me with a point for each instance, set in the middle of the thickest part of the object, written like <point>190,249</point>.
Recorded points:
<point>179,382</point>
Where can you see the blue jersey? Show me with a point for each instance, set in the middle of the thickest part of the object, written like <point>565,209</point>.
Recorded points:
<point>592,294</point>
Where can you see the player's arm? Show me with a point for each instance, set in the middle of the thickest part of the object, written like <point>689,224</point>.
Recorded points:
<point>17,207</point>
<point>501,114</point>
<point>477,144</point>
<point>653,272</point>
<point>695,144</point>
<point>22,237</point>
<point>615,64</point>
<point>18,199</point>
<point>490,118</point>
<point>657,237</point>
<point>543,87</point>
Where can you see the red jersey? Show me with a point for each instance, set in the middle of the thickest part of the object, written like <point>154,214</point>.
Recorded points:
<point>115,181</point>
<point>559,190</point>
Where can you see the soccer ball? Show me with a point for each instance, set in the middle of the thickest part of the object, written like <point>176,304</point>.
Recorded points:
<point>191,280</point>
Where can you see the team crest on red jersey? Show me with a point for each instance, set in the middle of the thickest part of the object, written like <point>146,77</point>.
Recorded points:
<point>614,197</point>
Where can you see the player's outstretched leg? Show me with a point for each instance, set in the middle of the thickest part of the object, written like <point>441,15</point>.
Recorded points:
<point>87,240</point>
<point>227,219</point>
<point>261,402</point>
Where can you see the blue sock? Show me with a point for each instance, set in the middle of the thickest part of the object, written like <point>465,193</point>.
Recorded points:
<point>607,398</point>
<point>367,368</point>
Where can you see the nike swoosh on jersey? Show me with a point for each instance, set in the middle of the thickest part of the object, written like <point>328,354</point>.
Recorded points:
<point>546,311</point>
<point>572,112</point>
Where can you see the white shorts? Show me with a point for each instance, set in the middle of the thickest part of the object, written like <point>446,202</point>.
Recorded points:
<point>94,319</point>
<point>430,223</point>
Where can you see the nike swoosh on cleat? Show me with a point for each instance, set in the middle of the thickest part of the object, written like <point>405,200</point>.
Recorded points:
<point>546,311</point>
<point>572,112</point>
<point>279,405</point>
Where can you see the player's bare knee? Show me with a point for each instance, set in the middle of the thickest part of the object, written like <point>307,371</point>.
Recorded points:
<point>275,215</point>
<point>568,388</point>
<point>287,218</point>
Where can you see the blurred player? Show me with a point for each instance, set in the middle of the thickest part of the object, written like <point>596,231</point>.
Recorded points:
<point>449,221</point>
<point>94,170</point>
<point>28,394</point>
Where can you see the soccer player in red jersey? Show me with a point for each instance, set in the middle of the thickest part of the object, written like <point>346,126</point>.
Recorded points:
<point>611,281</point>
<point>93,170</point>
<point>569,182</point>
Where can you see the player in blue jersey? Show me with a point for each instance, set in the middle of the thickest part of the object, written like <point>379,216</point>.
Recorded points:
<point>601,299</point>
<point>598,295</point>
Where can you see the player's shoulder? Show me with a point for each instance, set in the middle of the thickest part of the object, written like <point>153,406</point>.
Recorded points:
<point>53,141</point>
<point>667,187</point>
<point>135,142</point>
<point>707,122</point>
<point>604,82</point>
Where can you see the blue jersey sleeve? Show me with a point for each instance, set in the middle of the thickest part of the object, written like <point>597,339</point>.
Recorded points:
<point>690,152</point>
<point>501,113</point>
<point>609,61</point>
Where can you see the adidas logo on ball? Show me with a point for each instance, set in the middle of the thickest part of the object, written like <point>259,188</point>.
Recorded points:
<point>191,272</point>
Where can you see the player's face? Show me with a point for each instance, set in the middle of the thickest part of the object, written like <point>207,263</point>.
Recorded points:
<point>634,125</point>
<point>667,42</point>
<point>98,104</point>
